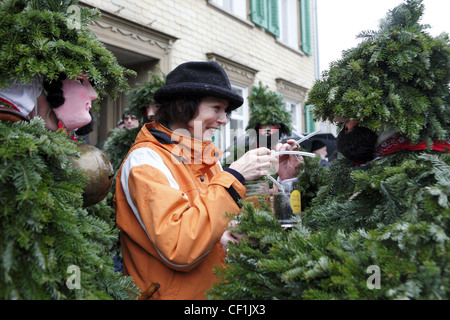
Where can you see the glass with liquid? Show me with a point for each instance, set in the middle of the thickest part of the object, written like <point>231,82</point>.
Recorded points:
<point>287,201</point>
<point>258,193</point>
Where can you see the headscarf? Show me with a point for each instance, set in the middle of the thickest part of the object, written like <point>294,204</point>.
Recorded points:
<point>23,96</point>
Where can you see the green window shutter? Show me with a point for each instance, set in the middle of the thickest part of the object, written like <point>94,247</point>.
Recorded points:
<point>310,124</point>
<point>305,16</point>
<point>259,13</point>
<point>273,18</point>
<point>265,14</point>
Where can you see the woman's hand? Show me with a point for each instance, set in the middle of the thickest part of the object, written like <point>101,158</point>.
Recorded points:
<point>289,164</point>
<point>254,163</point>
<point>228,236</point>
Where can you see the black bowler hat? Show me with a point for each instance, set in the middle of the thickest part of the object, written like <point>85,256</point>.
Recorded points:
<point>316,145</point>
<point>198,79</point>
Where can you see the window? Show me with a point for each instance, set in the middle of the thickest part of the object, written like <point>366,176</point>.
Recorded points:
<point>294,97</point>
<point>235,127</point>
<point>289,23</point>
<point>288,20</point>
<point>236,7</point>
<point>294,109</point>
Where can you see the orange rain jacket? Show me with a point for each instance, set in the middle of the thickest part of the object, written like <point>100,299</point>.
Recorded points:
<point>171,199</point>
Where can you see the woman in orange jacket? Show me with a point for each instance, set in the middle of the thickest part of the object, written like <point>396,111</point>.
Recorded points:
<point>171,192</point>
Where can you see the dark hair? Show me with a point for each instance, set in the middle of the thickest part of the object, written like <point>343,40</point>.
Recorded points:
<point>55,94</point>
<point>181,110</point>
<point>88,128</point>
<point>127,113</point>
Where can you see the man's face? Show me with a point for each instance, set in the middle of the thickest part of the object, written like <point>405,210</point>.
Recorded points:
<point>268,135</point>
<point>267,129</point>
<point>78,95</point>
<point>322,152</point>
<point>130,121</point>
<point>356,143</point>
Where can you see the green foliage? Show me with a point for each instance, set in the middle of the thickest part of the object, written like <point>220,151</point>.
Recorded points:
<point>392,213</point>
<point>266,107</point>
<point>395,214</point>
<point>46,38</point>
<point>397,76</point>
<point>44,229</point>
<point>312,176</point>
<point>118,144</point>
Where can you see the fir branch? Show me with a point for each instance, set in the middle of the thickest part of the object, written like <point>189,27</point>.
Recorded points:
<point>43,228</point>
<point>407,237</point>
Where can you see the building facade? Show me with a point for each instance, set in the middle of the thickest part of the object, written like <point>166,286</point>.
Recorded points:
<point>267,41</point>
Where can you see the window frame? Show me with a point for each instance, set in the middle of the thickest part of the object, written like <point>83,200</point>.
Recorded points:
<point>290,104</point>
<point>289,17</point>
<point>236,8</point>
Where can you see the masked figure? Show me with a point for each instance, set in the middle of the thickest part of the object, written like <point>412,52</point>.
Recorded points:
<point>47,237</point>
<point>379,225</point>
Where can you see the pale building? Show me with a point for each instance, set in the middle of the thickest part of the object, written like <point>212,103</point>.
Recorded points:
<point>272,41</point>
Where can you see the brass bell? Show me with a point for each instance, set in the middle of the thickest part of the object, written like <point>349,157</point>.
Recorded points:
<point>95,163</point>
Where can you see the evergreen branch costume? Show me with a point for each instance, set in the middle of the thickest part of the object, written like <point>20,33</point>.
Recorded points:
<point>44,229</point>
<point>396,77</point>
<point>266,108</point>
<point>47,38</point>
<point>52,247</point>
<point>380,230</point>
